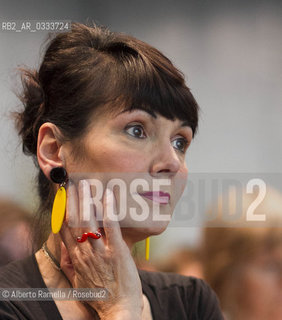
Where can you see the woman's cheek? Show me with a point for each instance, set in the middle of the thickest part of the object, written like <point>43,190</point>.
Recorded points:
<point>181,182</point>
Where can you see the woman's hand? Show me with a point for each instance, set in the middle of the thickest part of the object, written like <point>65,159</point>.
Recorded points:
<point>102,263</point>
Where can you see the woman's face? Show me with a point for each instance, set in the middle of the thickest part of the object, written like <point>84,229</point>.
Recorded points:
<point>137,145</point>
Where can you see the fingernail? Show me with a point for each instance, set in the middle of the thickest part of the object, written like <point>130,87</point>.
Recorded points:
<point>109,195</point>
<point>83,182</point>
<point>110,200</point>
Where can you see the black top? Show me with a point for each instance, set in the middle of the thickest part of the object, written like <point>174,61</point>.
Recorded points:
<point>171,296</point>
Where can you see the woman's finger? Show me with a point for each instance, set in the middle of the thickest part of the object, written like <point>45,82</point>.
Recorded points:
<point>72,212</point>
<point>87,215</point>
<point>80,211</point>
<point>110,220</point>
<point>66,264</point>
<point>68,239</point>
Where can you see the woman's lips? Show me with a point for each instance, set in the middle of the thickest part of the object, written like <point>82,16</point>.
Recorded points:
<point>157,196</point>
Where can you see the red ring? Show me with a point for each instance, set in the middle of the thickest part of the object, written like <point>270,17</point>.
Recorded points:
<point>92,235</point>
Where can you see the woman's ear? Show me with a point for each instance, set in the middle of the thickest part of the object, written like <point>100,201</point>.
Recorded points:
<point>49,153</point>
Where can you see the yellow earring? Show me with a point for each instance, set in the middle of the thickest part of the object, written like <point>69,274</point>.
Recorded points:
<point>58,210</point>
<point>59,175</point>
<point>147,248</point>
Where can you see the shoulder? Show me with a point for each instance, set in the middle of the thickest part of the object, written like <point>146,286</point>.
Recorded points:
<point>16,273</point>
<point>165,279</point>
<point>188,293</point>
<point>13,275</point>
<point>24,274</point>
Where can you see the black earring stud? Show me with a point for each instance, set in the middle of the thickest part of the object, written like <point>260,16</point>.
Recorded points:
<point>58,175</point>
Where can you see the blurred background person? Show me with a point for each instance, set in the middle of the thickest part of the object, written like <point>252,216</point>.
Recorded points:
<point>242,261</point>
<point>15,226</point>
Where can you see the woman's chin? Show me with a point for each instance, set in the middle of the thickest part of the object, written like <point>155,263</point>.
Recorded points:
<point>141,233</point>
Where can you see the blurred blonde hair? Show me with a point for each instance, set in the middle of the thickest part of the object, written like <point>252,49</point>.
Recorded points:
<point>227,244</point>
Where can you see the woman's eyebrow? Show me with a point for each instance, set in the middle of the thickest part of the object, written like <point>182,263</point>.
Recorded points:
<point>185,124</point>
<point>151,113</point>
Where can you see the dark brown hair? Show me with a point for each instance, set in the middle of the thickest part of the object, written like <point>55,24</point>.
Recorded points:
<point>89,69</point>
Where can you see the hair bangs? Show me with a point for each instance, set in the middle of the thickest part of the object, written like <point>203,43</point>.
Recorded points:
<point>145,86</point>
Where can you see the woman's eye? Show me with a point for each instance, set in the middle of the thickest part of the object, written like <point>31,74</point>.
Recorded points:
<point>180,144</point>
<point>136,131</point>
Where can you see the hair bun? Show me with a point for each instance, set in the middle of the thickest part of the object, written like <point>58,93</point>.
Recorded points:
<point>29,120</point>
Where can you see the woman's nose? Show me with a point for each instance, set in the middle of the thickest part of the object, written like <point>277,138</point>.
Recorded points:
<point>165,160</point>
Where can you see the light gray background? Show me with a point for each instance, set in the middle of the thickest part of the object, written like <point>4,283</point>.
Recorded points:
<point>229,51</point>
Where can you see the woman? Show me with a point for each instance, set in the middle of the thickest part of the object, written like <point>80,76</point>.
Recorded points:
<point>105,105</point>
<point>245,269</point>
